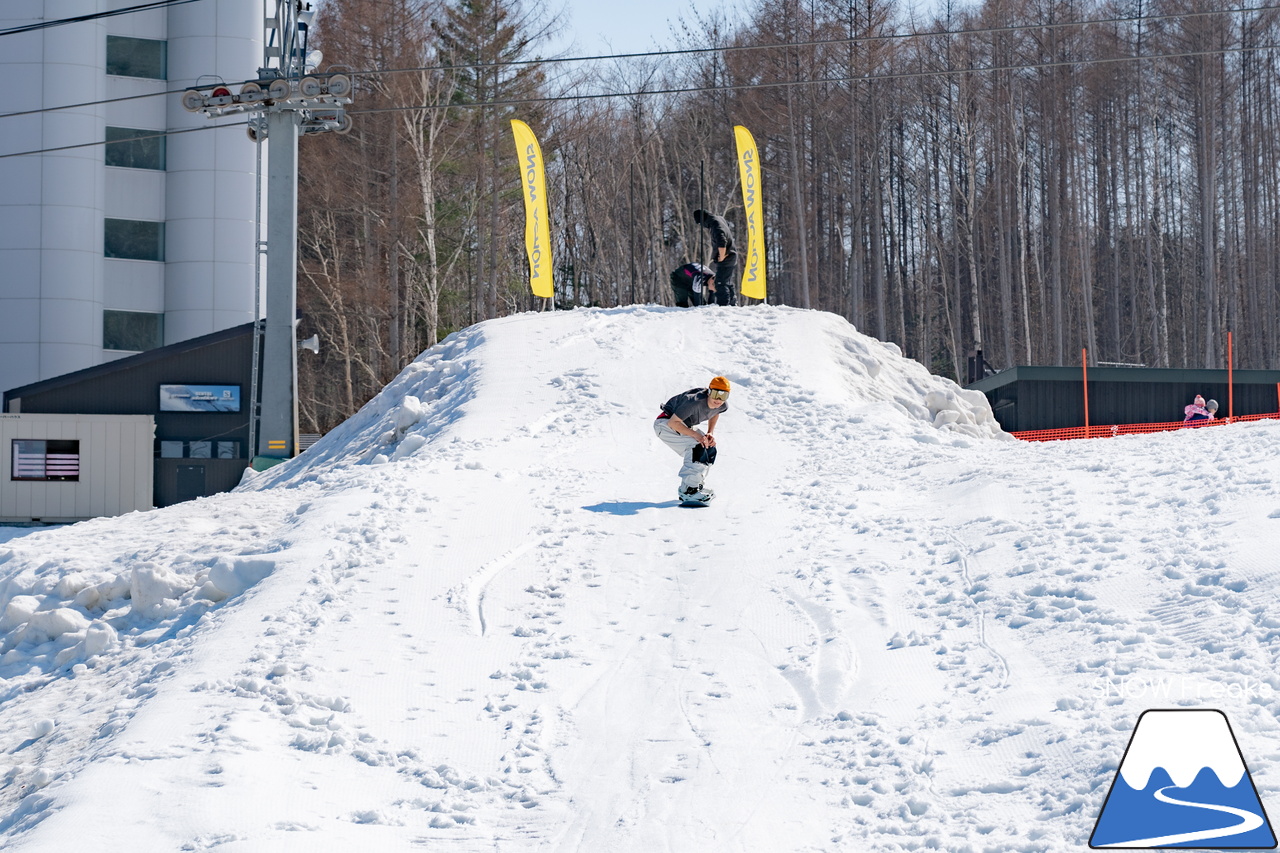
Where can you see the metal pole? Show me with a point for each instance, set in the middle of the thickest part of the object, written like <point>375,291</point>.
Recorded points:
<point>259,249</point>
<point>702,203</point>
<point>282,104</point>
<point>631,206</point>
<point>279,434</point>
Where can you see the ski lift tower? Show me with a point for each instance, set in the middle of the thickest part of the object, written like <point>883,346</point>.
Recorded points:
<point>288,99</point>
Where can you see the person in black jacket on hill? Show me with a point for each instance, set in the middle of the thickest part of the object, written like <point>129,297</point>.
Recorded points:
<point>723,255</point>
<point>687,284</point>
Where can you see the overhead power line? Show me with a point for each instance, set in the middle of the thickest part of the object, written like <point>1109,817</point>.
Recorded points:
<point>155,135</point>
<point>694,52</point>
<point>866,78</point>
<point>79,19</point>
<point>84,104</point>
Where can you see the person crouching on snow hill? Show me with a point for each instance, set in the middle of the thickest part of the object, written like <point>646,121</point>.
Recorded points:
<point>677,427</point>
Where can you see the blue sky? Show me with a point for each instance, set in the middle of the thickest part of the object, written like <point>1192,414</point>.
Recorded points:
<point>606,27</point>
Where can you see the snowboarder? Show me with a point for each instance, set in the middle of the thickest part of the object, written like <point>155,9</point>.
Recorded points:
<point>677,425</point>
<point>723,255</point>
<point>687,283</point>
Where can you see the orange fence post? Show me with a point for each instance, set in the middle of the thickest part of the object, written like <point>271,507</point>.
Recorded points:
<point>1231,388</point>
<point>1084,367</point>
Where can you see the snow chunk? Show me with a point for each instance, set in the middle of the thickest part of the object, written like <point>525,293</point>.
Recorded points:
<point>70,584</point>
<point>115,589</point>
<point>150,586</point>
<point>948,407</point>
<point>409,446</point>
<point>98,638</point>
<point>19,611</point>
<point>946,418</point>
<point>46,625</point>
<point>233,576</point>
<point>409,413</point>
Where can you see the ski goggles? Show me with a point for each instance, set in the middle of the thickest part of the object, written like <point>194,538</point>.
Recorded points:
<point>717,394</point>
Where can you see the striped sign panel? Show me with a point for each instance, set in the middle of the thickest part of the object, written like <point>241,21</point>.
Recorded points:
<point>62,465</point>
<point>35,460</point>
<point>28,460</point>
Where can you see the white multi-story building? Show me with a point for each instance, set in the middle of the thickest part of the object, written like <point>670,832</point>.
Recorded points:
<point>112,249</point>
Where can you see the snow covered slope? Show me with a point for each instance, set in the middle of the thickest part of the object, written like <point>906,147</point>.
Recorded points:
<point>472,619</point>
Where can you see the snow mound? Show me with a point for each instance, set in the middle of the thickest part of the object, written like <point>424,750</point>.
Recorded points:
<point>477,388</point>
<point>471,374</point>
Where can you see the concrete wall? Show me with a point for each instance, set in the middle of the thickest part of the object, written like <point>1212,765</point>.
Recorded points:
<point>54,281</point>
<point>211,188</point>
<point>51,206</point>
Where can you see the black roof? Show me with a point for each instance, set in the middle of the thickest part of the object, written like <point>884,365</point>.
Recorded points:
<point>127,363</point>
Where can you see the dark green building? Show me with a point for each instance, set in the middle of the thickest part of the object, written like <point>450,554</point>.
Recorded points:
<point>1035,398</point>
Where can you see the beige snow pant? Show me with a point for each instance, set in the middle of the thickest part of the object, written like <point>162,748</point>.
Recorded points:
<point>692,474</point>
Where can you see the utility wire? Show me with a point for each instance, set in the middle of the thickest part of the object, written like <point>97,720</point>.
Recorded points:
<point>865,78</point>
<point>155,135</point>
<point>103,101</point>
<point>44,25</point>
<point>694,51</point>
<point>689,52</point>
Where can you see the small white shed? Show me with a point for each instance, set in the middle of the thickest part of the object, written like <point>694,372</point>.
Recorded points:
<point>62,468</point>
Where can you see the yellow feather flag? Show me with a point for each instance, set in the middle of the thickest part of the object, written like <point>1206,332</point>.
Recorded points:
<point>753,270</point>
<point>537,223</point>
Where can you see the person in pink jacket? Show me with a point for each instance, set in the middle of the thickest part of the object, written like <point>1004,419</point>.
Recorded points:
<point>1196,411</point>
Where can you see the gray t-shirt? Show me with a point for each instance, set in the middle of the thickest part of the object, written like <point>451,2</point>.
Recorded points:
<point>692,407</point>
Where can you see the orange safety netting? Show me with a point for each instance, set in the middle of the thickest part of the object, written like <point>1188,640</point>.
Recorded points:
<point>1129,429</point>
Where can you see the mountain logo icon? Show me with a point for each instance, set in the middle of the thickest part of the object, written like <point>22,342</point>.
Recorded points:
<point>1183,782</point>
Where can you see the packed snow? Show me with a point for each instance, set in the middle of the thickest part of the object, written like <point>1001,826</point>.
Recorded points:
<point>473,618</point>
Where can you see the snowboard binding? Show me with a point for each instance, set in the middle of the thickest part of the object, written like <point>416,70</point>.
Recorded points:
<point>695,497</point>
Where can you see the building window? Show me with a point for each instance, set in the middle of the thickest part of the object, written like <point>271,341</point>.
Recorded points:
<point>132,331</point>
<point>124,149</point>
<point>133,239</point>
<point>129,57</point>
<point>46,460</point>
<point>203,449</point>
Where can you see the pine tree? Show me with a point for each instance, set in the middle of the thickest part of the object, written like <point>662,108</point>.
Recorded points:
<point>488,46</point>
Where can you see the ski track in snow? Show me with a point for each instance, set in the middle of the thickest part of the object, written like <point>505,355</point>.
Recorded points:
<point>469,619</point>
